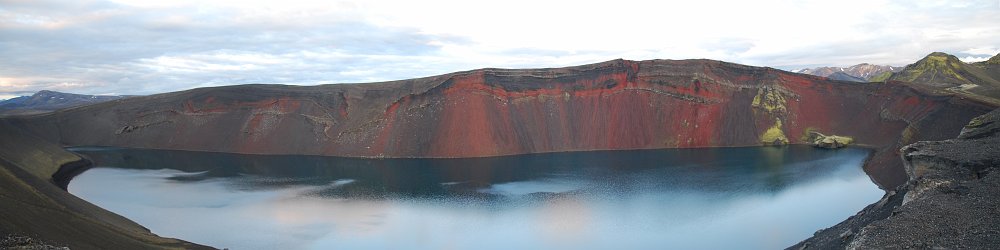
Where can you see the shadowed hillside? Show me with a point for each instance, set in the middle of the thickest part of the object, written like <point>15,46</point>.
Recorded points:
<point>33,205</point>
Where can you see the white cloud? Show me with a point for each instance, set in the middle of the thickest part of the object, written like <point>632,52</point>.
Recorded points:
<point>987,51</point>
<point>971,59</point>
<point>143,47</point>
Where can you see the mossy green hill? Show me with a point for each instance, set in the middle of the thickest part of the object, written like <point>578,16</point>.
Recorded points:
<point>977,80</point>
<point>941,69</point>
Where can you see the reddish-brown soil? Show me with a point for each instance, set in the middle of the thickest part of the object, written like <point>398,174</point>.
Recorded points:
<point>614,105</point>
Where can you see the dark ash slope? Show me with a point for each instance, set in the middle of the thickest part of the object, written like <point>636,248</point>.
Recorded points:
<point>950,201</point>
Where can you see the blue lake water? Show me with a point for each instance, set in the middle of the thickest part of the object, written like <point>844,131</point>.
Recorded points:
<point>713,198</point>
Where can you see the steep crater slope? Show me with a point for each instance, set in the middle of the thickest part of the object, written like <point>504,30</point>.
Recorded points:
<point>949,201</point>
<point>606,106</point>
<point>34,209</point>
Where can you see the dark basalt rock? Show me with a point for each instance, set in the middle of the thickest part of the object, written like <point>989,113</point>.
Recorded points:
<point>949,202</point>
<point>21,242</point>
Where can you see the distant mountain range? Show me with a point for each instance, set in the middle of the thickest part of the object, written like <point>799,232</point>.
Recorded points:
<point>939,70</point>
<point>858,73</point>
<point>46,100</point>
<point>841,76</point>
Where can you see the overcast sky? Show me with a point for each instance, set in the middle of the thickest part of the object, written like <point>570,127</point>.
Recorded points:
<point>145,47</point>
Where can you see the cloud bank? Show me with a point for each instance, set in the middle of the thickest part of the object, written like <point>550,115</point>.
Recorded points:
<point>145,47</point>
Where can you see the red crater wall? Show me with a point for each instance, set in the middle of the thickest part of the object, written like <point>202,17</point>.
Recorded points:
<point>606,106</point>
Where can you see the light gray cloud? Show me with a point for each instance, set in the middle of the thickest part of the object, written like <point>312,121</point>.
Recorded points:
<point>144,47</point>
<point>901,32</point>
<point>102,47</point>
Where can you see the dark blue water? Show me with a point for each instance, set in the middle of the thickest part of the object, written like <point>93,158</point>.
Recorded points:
<point>746,198</point>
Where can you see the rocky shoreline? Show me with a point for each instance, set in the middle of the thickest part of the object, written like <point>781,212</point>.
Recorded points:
<point>949,201</point>
<point>69,170</point>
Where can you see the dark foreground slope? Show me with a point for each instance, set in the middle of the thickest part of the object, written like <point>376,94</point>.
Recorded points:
<point>606,106</point>
<point>32,205</point>
<point>950,201</point>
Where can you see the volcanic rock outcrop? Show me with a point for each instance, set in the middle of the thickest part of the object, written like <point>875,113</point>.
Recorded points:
<point>949,201</point>
<point>606,106</point>
<point>827,141</point>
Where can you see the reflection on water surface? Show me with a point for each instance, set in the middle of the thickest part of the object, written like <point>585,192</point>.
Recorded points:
<point>762,197</point>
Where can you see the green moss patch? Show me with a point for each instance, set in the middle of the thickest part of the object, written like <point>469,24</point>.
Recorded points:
<point>770,100</point>
<point>881,77</point>
<point>775,135</point>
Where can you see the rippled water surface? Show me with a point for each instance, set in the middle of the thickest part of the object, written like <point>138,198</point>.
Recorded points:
<point>745,198</point>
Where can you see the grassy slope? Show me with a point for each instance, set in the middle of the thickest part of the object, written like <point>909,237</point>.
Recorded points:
<point>881,77</point>
<point>943,68</point>
<point>980,81</point>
